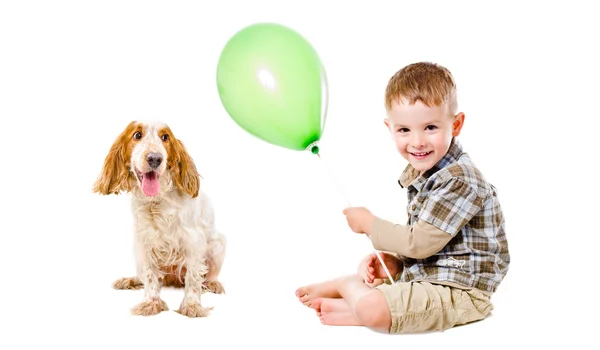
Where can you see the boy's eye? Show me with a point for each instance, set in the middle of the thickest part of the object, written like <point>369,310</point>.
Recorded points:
<point>403,130</point>
<point>430,127</point>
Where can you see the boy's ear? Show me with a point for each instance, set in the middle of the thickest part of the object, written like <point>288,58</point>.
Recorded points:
<point>388,125</point>
<point>459,121</point>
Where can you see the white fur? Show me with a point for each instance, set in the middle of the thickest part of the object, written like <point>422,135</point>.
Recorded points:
<point>174,231</point>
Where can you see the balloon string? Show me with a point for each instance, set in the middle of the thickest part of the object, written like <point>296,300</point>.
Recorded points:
<point>387,272</point>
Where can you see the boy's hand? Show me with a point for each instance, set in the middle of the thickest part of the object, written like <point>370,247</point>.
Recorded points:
<point>370,268</point>
<point>359,219</point>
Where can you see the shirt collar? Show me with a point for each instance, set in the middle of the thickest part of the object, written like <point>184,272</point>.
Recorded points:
<point>411,177</point>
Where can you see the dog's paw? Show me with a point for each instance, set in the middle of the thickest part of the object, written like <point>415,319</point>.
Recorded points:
<point>149,308</point>
<point>128,283</point>
<point>193,309</point>
<point>215,287</point>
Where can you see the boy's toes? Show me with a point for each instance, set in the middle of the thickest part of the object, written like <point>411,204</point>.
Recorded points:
<point>316,304</point>
<point>305,298</point>
<point>303,295</point>
<point>300,292</point>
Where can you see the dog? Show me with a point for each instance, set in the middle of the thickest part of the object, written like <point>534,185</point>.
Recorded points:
<point>176,243</point>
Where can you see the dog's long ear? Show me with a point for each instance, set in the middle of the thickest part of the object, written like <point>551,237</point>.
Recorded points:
<point>115,173</point>
<point>183,169</point>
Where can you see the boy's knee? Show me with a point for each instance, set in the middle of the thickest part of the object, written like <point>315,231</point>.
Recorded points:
<point>372,311</point>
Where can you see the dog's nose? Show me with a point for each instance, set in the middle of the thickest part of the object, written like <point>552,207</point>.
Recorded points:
<point>154,159</point>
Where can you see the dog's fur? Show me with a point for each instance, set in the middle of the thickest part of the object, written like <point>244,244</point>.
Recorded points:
<point>176,243</point>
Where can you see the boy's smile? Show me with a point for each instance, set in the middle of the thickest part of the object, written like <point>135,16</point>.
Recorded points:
<point>422,134</point>
<point>420,155</point>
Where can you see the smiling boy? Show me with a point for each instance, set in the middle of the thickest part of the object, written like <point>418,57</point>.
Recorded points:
<point>453,254</point>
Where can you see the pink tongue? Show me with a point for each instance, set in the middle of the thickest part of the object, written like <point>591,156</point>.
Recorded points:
<point>150,184</point>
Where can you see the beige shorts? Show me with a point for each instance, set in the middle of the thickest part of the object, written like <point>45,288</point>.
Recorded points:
<point>423,306</point>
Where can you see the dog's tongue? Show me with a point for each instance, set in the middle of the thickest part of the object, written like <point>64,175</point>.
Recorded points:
<point>150,184</point>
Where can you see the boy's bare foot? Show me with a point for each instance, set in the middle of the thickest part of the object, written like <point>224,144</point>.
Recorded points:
<point>327,289</point>
<point>334,312</point>
<point>329,305</point>
<point>339,319</point>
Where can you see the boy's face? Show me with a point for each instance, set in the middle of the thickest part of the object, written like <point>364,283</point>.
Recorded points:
<point>422,134</point>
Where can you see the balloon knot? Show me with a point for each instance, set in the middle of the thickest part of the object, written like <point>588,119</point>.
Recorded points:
<point>313,147</point>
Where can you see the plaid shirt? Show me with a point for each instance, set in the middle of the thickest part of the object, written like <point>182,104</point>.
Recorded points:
<point>454,197</point>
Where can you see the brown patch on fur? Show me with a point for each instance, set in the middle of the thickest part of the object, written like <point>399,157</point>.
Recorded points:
<point>214,268</point>
<point>115,176</point>
<point>181,165</point>
<point>128,283</point>
<point>149,308</point>
<point>176,279</point>
<point>173,277</point>
<point>193,310</point>
<point>214,287</point>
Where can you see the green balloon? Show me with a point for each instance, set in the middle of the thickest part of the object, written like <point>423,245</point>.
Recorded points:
<point>273,84</point>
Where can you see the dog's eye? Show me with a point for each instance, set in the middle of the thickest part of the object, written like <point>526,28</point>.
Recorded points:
<point>165,137</point>
<point>137,135</point>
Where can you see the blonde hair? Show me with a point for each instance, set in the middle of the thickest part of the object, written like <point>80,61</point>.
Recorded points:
<point>427,82</point>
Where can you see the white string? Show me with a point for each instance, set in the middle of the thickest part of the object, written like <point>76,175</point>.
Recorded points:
<point>387,272</point>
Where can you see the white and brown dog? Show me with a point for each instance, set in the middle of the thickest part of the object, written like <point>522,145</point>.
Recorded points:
<point>176,243</point>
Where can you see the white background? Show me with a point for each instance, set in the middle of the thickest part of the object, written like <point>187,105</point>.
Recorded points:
<point>74,73</point>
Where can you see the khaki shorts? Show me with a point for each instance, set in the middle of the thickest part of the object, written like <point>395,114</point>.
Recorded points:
<point>423,306</point>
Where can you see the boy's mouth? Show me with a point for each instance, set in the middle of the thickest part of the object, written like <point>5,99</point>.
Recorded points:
<point>420,155</point>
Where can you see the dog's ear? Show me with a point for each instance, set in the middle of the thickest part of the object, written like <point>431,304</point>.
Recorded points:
<point>183,169</point>
<point>115,175</point>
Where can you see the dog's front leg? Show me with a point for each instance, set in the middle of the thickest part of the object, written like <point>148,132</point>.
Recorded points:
<point>194,278</point>
<point>152,303</point>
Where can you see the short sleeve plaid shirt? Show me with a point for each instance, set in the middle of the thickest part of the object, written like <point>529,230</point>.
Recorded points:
<point>455,197</point>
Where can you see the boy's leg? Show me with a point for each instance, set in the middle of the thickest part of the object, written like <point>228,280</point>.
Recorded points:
<point>368,306</point>
<point>424,307</point>
<point>405,307</point>
<point>327,289</point>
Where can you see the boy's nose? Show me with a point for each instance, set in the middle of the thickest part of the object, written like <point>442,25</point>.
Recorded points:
<point>417,141</point>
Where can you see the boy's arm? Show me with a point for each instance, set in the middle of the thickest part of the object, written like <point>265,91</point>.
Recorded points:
<point>418,241</point>
<point>449,207</point>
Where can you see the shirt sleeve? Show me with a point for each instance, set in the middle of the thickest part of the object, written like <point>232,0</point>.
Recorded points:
<point>418,241</point>
<point>451,206</point>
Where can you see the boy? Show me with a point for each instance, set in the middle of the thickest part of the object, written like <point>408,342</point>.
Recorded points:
<point>453,253</point>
